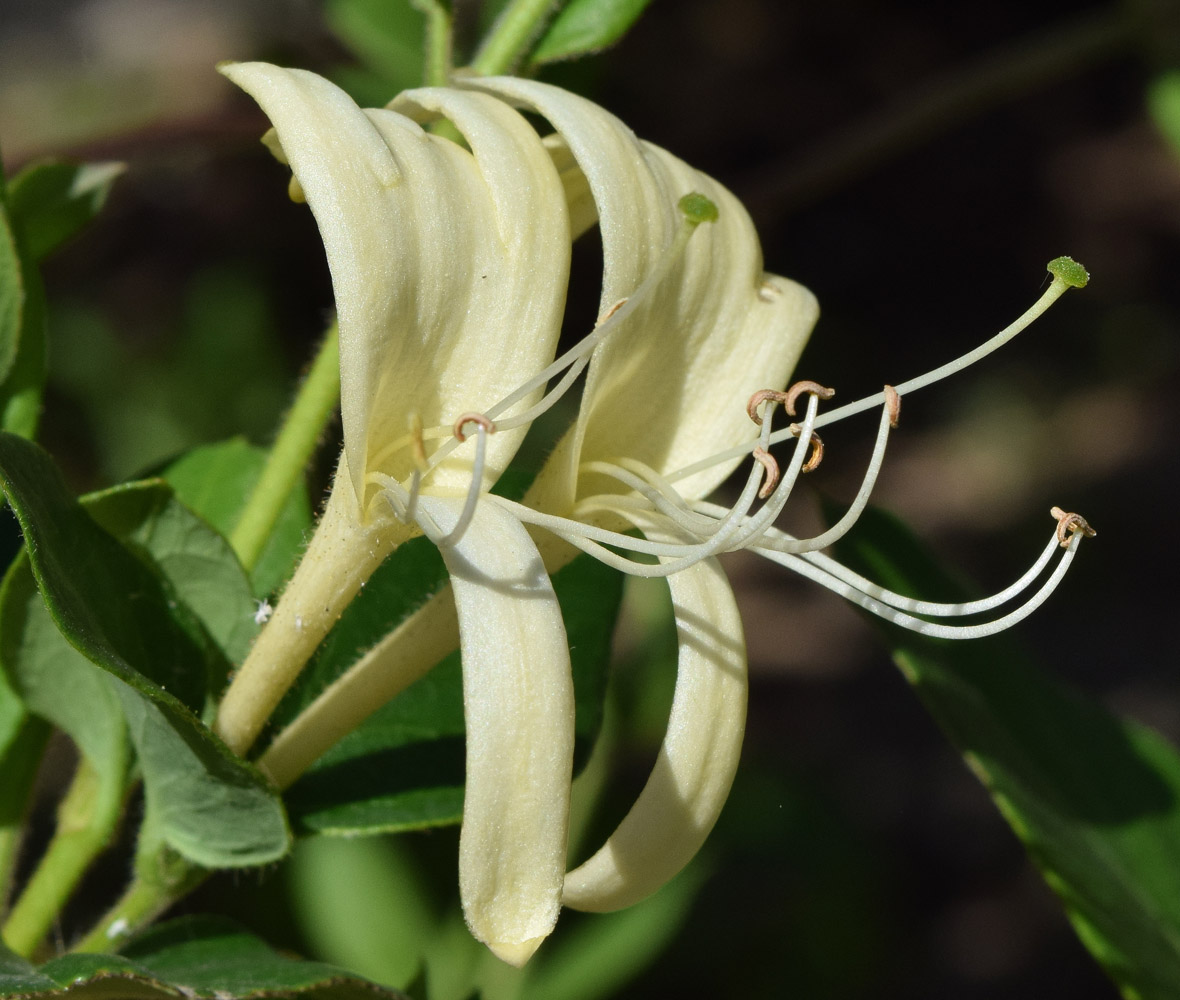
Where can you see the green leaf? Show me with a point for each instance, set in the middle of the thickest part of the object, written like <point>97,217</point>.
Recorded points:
<point>215,481</point>
<point>19,978</point>
<point>586,26</point>
<point>1094,798</point>
<point>51,201</point>
<point>122,616</point>
<point>22,329</point>
<point>386,35</point>
<point>403,768</point>
<point>194,957</point>
<point>195,559</point>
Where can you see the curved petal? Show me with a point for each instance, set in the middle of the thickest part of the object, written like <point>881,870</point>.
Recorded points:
<point>671,388</point>
<point>697,762</point>
<point>519,707</point>
<point>430,255</point>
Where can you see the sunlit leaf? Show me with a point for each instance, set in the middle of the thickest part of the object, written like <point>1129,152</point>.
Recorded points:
<point>586,26</point>
<point>215,481</point>
<point>125,618</point>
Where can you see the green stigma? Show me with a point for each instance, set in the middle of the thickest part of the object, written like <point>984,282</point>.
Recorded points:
<point>1069,271</point>
<point>697,208</point>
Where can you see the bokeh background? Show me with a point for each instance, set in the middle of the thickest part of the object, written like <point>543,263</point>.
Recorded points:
<point>916,165</point>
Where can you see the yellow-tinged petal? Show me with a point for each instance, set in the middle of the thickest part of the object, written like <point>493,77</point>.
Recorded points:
<point>519,710</point>
<point>449,295</point>
<point>697,762</point>
<point>670,386</point>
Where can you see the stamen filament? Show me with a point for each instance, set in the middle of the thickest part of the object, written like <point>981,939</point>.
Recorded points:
<point>828,565</point>
<point>806,568</point>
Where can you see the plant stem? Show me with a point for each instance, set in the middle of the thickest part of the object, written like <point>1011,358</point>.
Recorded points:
<point>160,880</point>
<point>512,36</point>
<point>438,42</point>
<point>19,767</point>
<point>85,820</point>
<point>298,437</point>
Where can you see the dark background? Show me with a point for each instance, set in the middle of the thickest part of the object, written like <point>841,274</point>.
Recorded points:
<point>914,164</point>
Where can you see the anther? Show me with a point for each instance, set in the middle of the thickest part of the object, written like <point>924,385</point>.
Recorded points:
<point>772,472</point>
<point>893,405</point>
<point>1069,525</point>
<point>610,312</point>
<point>817,449</point>
<point>797,390</point>
<point>760,397</point>
<point>471,418</point>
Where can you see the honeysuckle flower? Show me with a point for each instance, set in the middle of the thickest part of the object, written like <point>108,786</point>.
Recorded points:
<point>449,269</point>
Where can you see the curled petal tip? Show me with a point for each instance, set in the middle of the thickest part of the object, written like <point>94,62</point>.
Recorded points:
<point>515,952</point>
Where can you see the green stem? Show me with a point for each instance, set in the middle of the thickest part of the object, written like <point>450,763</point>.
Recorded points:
<point>438,42</point>
<point>512,36</point>
<point>314,404</point>
<point>160,881</point>
<point>19,767</point>
<point>86,819</point>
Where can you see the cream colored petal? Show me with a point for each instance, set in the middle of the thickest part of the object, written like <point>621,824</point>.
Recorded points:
<point>429,257</point>
<point>697,762</point>
<point>671,385</point>
<point>519,706</point>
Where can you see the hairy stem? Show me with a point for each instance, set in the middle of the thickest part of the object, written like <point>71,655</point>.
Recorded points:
<point>86,819</point>
<point>512,36</point>
<point>439,36</point>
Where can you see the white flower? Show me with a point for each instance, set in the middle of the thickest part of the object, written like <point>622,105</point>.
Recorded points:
<point>449,269</point>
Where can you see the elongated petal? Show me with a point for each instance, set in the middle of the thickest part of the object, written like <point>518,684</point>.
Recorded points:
<point>441,279</point>
<point>519,707</point>
<point>697,762</point>
<point>670,387</point>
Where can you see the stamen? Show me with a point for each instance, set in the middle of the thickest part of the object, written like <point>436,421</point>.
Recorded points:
<point>817,448</point>
<point>471,418</point>
<point>1066,274</point>
<point>1069,525</point>
<point>807,566</point>
<point>797,390</point>
<point>772,473</point>
<point>893,406</point>
<point>760,397</point>
<point>483,428</point>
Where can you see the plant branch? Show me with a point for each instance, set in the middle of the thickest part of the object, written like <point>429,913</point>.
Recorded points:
<point>512,36</point>
<point>293,448</point>
<point>439,35</point>
<point>86,819</point>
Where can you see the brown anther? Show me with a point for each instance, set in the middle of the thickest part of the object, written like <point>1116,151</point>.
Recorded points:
<point>772,472</point>
<point>797,390</point>
<point>471,418</point>
<point>1069,525</point>
<point>417,442</point>
<point>610,312</point>
<point>817,449</point>
<point>893,405</point>
<point>760,397</point>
